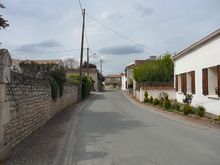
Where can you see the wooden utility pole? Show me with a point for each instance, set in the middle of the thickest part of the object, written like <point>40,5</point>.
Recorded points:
<point>81,55</point>
<point>88,62</point>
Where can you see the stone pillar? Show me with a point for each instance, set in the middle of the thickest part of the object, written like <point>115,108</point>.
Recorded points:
<point>5,64</point>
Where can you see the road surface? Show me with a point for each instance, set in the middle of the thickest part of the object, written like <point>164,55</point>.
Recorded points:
<point>113,131</point>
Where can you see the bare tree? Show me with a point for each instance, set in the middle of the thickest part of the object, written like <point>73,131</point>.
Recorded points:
<point>3,22</point>
<point>70,63</point>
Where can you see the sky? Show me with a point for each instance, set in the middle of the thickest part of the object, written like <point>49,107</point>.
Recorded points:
<point>51,29</point>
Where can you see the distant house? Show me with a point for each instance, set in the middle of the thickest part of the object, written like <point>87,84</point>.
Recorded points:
<point>130,82</point>
<point>123,82</point>
<point>113,79</point>
<point>197,71</point>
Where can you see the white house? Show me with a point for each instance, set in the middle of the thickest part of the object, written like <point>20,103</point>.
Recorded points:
<point>123,82</point>
<point>197,71</point>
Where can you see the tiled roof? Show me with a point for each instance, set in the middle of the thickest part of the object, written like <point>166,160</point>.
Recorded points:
<point>114,75</point>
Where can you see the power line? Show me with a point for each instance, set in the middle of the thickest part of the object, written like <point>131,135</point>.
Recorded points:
<point>121,35</point>
<point>80,5</point>
<point>86,34</point>
<point>43,52</point>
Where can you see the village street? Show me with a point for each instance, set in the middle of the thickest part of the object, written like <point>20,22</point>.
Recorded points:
<point>109,129</point>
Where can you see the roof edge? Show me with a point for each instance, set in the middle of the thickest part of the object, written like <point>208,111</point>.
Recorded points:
<point>198,44</point>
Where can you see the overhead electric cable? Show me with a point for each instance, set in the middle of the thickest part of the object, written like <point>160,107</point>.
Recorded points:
<point>122,35</point>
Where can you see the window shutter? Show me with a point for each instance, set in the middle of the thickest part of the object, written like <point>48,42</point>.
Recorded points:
<point>205,81</point>
<point>218,74</point>
<point>183,83</point>
<point>193,83</point>
<point>177,83</point>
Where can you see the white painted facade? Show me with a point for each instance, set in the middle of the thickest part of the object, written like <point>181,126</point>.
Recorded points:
<point>123,82</point>
<point>206,55</point>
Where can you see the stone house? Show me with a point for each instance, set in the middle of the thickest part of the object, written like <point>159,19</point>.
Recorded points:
<point>123,82</point>
<point>197,72</point>
<point>113,79</point>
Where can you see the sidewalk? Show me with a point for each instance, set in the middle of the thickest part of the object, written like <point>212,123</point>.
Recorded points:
<point>42,146</point>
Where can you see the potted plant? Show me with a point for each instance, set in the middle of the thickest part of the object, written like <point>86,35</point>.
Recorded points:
<point>188,98</point>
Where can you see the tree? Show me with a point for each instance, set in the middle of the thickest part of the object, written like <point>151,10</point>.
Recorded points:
<point>3,22</point>
<point>161,70</point>
<point>70,63</point>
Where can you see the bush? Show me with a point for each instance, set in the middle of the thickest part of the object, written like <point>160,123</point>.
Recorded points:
<point>59,76</point>
<point>200,111</point>
<point>187,109</point>
<point>86,86</point>
<point>156,101</point>
<point>145,94</point>
<point>219,118</point>
<point>161,102</point>
<point>151,100</point>
<point>176,106</point>
<point>146,99</point>
<point>166,104</point>
<point>54,88</point>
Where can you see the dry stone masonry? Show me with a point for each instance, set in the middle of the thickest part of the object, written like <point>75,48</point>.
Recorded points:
<point>24,106</point>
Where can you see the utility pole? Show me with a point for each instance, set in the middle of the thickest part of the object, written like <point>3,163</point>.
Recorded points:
<point>101,66</point>
<point>81,55</point>
<point>88,62</point>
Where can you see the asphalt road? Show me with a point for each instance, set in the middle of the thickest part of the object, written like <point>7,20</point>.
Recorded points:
<point>113,131</point>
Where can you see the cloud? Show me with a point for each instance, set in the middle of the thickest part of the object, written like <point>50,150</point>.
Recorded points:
<point>143,11</point>
<point>33,47</point>
<point>122,50</point>
<point>108,15</point>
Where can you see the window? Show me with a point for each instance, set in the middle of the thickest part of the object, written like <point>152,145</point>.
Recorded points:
<point>185,82</point>
<point>212,80</point>
<point>191,82</point>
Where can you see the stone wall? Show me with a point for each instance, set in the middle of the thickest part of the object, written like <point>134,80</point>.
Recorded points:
<point>26,105</point>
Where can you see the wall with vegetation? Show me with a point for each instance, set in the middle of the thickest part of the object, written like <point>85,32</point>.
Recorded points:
<point>27,103</point>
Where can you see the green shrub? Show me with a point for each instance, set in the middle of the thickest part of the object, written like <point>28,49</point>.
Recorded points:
<point>151,100</point>
<point>187,109</point>
<point>54,88</point>
<point>145,94</point>
<point>86,86</point>
<point>161,102</point>
<point>156,101</point>
<point>166,104</point>
<point>146,99</point>
<point>176,106</point>
<point>194,110</point>
<point>219,118</point>
<point>200,111</point>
